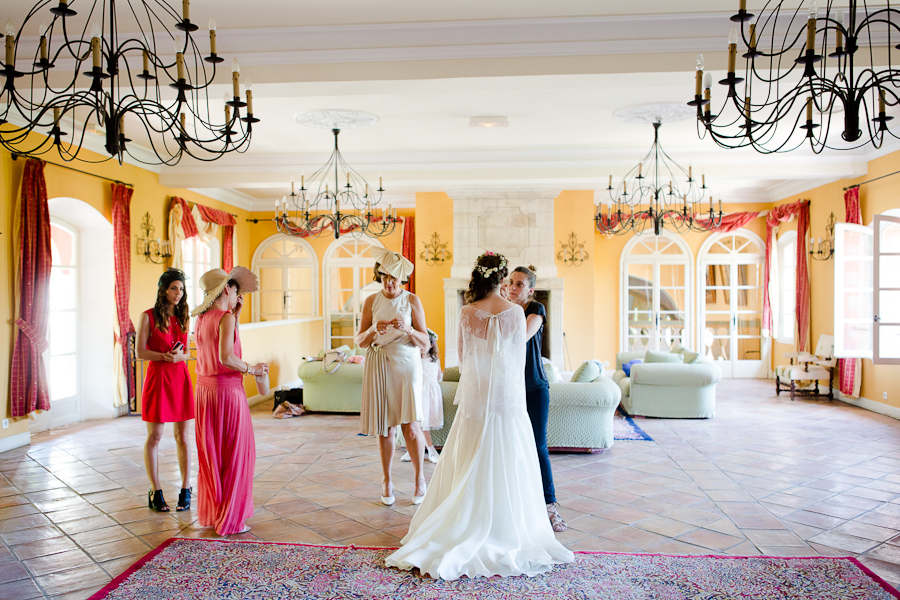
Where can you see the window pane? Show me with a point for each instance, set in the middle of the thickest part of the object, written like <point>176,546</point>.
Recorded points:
<point>889,237</point>
<point>295,251</point>
<point>719,324</point>
<point>62,330</point>
<point>749,349</point>
<point>749,298</point>
<point>671,275</point>
<point>275,250</point>
<point>858,335</point>
<point>889,306</point>
<point>640,319</point>
<point>299,278</point>
<point>63,288</point>
<point>889,341</point>
<point>299,304</point>
<point>63,242</point>
<point>271,303</point>
<point>671,299</point>
<point>750,324</point>
<point>270,278</point>
<point>187,249</point>
<point>639,275</point>
<point>61,372</point>
<point>342,326</point>
<point>889,272</point>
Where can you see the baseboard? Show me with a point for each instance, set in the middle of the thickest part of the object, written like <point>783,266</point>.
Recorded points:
<point>15,441</point>
<point>259,398</point>
<point>877,407</point>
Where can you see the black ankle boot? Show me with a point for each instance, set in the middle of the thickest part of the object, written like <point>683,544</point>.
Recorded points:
<point>156,501</point>
<point>184,499</point>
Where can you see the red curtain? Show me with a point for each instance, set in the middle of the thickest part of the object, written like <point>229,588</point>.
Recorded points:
<point>187,221</point>
<point>408,249</point>
<point>227,221</point>
<point>848,367</point>
<point>779,214</point>
<point>28,378</point>
<point>802,289</point>
<point>121,221</point>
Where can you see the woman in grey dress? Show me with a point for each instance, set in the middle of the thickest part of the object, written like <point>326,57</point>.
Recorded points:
<point>393,329</point>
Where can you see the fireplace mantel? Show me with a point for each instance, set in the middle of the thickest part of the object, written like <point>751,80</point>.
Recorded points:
<point>517,225</point>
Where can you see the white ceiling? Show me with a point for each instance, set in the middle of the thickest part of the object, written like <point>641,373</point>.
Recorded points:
<point>558,70</point>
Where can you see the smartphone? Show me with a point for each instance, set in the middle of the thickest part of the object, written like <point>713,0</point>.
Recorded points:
<point>177,347</point>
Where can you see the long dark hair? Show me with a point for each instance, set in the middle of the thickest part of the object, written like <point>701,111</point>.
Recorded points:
<point>433,350</point>
<point>531,273</point>
<point>161,308</point>
<point>489,271</point>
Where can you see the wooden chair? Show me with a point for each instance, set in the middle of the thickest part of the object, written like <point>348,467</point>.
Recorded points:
<point>808,367</point>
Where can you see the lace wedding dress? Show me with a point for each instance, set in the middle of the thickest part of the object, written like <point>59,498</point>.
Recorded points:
<point>484,513</point>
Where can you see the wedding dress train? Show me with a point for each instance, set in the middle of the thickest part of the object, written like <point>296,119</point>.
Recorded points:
<point>484,513</point>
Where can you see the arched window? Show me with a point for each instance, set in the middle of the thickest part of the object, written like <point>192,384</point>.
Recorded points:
<point>730,299</point>
<point>287,268</point>
<point>786,320</point>
<point>349,267</point>
<point>199,258</point>
<point>656,285</point>
<point>62,365</point>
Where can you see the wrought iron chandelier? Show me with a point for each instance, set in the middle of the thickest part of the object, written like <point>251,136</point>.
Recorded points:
<point>666,196</point>
<point>70,82</point>
<point>825,72</point>
<point>317,208</point>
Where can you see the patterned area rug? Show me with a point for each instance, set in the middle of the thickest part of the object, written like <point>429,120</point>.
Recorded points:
<point>624,428</point>
<point>182,569</point>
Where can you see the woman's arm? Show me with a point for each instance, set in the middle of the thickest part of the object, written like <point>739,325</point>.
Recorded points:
<point>226,348</point>
<point>418,332</point>
<point>141,343</point>
<point>532,325</point>
<point>367,333</point>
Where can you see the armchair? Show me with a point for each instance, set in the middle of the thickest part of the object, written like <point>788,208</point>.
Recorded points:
<point>808,367</point>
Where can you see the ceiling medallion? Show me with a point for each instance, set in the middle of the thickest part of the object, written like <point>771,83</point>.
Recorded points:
<point>338,119</point>
<point>660,112</point>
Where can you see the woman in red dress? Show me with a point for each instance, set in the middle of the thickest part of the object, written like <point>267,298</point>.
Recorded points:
<point>167,396</point>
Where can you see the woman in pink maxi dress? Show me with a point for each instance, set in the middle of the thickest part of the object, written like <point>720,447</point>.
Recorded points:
<point>226,447</point>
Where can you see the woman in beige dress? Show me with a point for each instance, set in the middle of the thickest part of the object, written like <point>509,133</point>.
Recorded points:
<point>393,329</point>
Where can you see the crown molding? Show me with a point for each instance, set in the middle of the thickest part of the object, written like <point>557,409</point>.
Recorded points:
<point>786,189</point>
<point>231,198</point>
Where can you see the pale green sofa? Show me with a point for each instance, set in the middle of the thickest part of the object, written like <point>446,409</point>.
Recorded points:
<point>668,390</point>
<point>581,414</point>
<point>340,391</point>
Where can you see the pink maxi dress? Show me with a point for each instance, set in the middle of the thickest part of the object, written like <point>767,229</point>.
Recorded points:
<point>226,448</point>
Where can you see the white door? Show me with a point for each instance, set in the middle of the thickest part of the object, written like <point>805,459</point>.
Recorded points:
<point>61,359</point>
<point>656,271</point>
<point>287,272</point>
<point>731,293</point>
<point>349,280</point>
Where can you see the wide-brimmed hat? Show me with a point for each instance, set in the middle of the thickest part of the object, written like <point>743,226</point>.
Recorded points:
<point>213,282</point>
<point>393,263</point>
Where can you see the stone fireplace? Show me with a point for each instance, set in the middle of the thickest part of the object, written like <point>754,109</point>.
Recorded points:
<point>519,226</point>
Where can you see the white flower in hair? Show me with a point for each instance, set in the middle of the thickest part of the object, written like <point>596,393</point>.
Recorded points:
<point>488,271</point>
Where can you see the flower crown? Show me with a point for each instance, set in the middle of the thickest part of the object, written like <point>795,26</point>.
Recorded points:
<point>431,332</point>
<point>488,271</point>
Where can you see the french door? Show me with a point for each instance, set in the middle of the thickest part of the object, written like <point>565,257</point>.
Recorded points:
<point>349,280</point>
<point>656,271</point>
<point>731,298</point>
<point>62,358</point>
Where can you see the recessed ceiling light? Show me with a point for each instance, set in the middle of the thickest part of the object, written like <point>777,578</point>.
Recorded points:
<point>488,122</point>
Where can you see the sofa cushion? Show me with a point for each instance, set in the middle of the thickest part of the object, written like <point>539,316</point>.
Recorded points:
<point>690,357</point>
<point>451,374</point>
<point>551,371</point>
<point>662,357</point>
<point>627,366</point>
<point>586,373</point>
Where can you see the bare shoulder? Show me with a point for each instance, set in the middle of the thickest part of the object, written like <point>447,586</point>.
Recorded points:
<point>413,299</point>
<point>227,320</point>
<point>369,300</point>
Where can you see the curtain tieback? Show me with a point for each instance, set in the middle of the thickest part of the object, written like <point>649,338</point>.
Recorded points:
<point>37,340</point>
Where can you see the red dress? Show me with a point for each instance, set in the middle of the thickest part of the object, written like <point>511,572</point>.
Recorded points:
<point>168,396</point>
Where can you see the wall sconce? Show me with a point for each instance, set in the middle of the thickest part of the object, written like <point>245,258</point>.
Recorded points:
<point>825,248</point>
<point>435,253</point>
<point>572,253</point>
<point>153,250</point>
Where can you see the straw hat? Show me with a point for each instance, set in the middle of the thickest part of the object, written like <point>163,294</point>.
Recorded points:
<point>393,263</point>
<point>213,282</point>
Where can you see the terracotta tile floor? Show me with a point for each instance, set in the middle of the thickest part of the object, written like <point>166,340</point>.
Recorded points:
<point>766,476</point>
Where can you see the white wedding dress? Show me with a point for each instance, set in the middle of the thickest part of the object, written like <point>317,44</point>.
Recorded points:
<point>484,511</point>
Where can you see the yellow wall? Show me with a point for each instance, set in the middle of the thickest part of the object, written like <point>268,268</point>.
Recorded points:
<point>148,196</point>
<point>282,346</point>
<point>876,197</point>
<point>434,214</point>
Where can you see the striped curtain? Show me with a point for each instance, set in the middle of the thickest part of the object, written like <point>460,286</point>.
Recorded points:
<point>850,369</point>
<point>29,390</point>
<point>121,221</point>
<point>408,248</point>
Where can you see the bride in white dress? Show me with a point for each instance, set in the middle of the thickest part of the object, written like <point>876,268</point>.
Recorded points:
<point>484,512</point>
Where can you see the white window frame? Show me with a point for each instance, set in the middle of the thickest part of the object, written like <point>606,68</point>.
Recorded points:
<point>787,290</point>
<point>877,289</point>
<point>76,310</point>
<point>686,258</point>
<point>312,261</point>
<point>195,294</point>
<point>329,260</point>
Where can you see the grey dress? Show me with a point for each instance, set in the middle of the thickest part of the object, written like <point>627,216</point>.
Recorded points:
<point>392,383</point>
